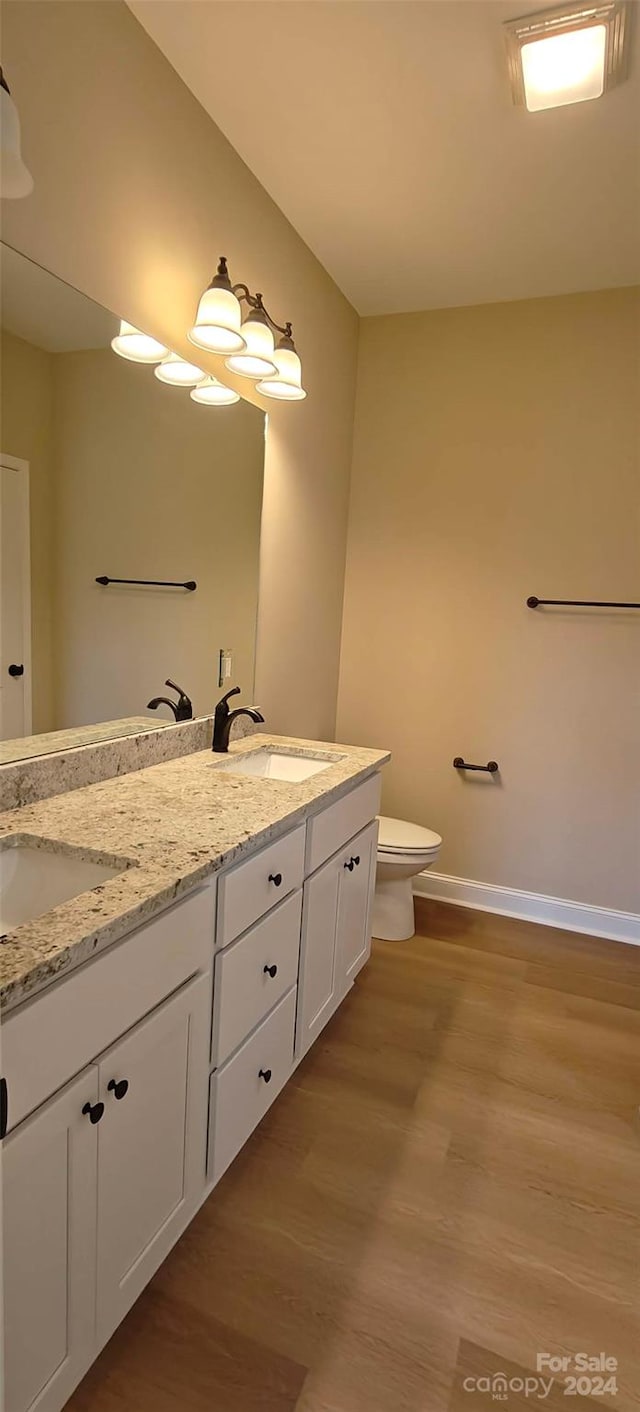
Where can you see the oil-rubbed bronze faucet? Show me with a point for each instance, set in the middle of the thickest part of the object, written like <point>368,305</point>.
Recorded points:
<point>223,720</point>
<point>182,708</point>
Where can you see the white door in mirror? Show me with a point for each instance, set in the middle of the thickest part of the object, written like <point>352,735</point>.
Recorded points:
<point>15,600</point>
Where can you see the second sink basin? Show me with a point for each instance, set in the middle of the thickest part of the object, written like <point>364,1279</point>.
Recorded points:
<point>33,880</point>
<point>276,764</point>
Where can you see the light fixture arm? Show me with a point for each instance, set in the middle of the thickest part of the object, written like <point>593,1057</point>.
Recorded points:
<point>254,301</point>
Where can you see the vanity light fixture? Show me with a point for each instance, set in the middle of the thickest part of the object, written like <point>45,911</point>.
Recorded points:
<point>568,54</point>
<point>219,318</point>
<point>211,393</point>
<point>178,372</point>
<point>15,179</point>
<point>138,347</point>
<point>257,359</point>
<point>287,385</point>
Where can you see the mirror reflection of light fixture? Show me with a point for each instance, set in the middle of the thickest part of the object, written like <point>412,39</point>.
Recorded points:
<point>15,178</point>
<point>286,386</point>
<point>211,393</point>
<point>219,316</point>
<point>257,360</point>
<point>567,55</point>
<point>178,372</point>
<point>138,347</point>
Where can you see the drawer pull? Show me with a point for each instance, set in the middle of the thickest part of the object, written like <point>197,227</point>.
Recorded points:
<point>265,1074</point>
<point>119,1088</point>
<point>275,878</point>
<point>271,971</point>
<point>94,1111</point>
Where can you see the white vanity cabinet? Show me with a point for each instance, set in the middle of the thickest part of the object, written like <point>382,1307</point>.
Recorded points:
<point>49,1177</point>
<point>151,1146</point>
<point>134,1082</point>
<point>101,1179</point>
<point>336,938</point>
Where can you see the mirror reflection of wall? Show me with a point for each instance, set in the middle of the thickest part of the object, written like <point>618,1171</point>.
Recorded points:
<point>108,471</point>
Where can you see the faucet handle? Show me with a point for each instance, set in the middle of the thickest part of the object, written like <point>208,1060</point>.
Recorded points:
<point>180,690</point>
<point>235,691</point>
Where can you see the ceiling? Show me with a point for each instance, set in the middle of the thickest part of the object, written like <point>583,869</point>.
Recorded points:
<point>386,133</point>
<point>46,312</point>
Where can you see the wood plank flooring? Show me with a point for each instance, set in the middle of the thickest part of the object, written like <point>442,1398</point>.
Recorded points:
<point>449,1185</point>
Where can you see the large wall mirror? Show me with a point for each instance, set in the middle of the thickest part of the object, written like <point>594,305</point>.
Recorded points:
<point>108,472</point>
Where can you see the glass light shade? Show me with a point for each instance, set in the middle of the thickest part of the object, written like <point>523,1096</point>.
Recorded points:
<point>15,179</point>
<point>287,386</point>
<point>212,393</point>
<point>564,68</point>
<point>138,347</point>
<point>178,372</point>
<point>218,320</point>
<point>258,361</point>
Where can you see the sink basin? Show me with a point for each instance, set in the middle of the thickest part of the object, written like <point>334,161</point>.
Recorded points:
<point>277,764</point>
<point>33,880</point>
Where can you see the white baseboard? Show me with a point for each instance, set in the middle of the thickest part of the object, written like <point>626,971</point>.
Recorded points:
<point>530,906</point>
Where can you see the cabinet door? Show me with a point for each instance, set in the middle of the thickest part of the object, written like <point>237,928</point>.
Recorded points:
<point>49,1220</point>
<point>151,1145</point>
<point>317,984</point>
<point>357,883</point>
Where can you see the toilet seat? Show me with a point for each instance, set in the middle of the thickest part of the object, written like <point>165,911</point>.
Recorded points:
<point>396,836</point>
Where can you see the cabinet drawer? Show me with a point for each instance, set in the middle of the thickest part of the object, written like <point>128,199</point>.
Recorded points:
<point>239,1094</point>
<point>327,831</point>
<point>245,988</point>
<point>251,889</point>
<point>53,1036</point>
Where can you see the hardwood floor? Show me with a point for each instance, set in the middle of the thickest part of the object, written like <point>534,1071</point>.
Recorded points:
<point>449,1185</point>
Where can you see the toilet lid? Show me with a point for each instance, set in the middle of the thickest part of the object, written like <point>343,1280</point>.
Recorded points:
<point>397,836</point>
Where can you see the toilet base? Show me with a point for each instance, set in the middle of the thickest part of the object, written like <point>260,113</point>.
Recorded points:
<point>393,916</point>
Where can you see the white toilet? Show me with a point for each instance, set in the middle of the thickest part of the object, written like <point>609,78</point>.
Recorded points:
<point>404,850</point>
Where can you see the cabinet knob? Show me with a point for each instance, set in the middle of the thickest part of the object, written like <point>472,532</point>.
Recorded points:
<point>94,1111</point>
<point>265,1074</point>
<point>349,865</point>
<point>271,971</point>
<point>118,1088</point>
<point>16,669</point>
<point>275,878</point>
<point>357,860</point>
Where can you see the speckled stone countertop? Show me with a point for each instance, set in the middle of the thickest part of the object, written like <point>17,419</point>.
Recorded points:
<point>170,826</point>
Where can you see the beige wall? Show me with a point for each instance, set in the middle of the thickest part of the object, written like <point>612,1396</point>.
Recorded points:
<point>26,408</point>
<point>149,485</point>
<point>497,456</point>
<point>136,194</point>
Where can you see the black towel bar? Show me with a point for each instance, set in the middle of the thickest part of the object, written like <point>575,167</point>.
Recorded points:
<point>490,768</point>
<point>190,584</point>
<point>534,602</point>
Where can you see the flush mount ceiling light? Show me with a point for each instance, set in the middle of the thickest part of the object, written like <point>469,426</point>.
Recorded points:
<point>254,355</point>
<point>177,372</point>
<point>136,346</point>
<point>567,55</point>
<point>211,393</point>
<point>15,179</point>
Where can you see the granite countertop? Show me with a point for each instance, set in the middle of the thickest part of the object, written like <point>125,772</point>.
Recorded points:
<point>171,826</point>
